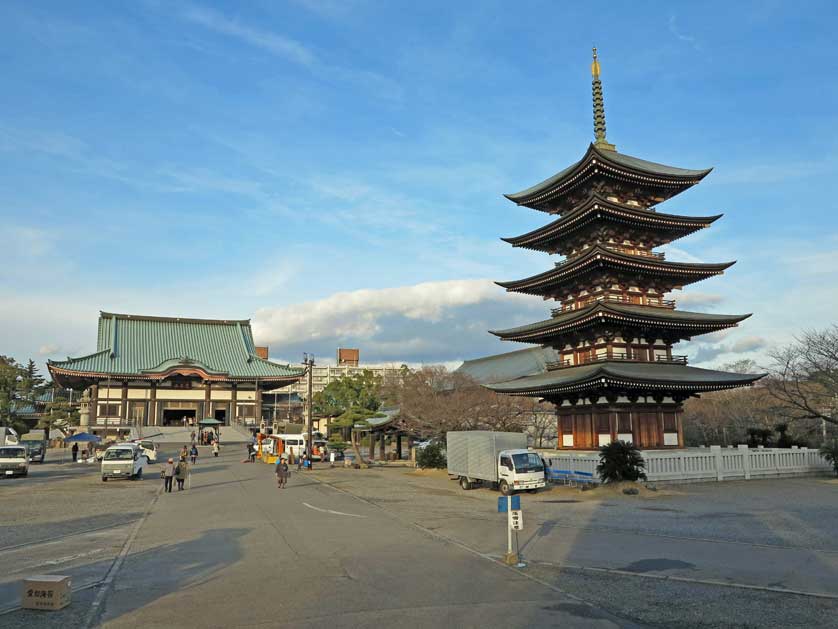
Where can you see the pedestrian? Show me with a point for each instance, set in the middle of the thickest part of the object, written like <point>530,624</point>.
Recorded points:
<point>252,455</point>
<point>184,452</point>
<point>75,450</point>
<point>181,470</point>
<point>301,461</point>
<point>167,473</point>
<point>215,448</point>
<point>84,455</point>
<point>193,453</point>
<point>332,458</point>
<point>281,472</point>
<point>193,436</point>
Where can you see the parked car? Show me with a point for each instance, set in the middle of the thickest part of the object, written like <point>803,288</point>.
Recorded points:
<point>149,449</point>
<point>14,460</point>
<point>37,452</point>
<point>123,460</point>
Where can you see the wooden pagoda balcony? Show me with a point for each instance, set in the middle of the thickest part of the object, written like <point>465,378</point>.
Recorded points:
<point>655,302</point>
<point>632,252</point>
<point>562,364</point>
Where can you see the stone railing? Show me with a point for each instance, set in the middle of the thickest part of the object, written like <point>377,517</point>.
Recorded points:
<point>708,464</point>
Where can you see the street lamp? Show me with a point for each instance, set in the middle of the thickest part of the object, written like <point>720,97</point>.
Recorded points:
<point>308,361</point>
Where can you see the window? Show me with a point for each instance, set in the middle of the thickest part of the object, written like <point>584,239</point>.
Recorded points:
<point>623,423</point>
<point>567,425</point>
<point>506,462</point>
<point>109,410</point>
<point>669,422</point>
<point>529,462</point>
<point>602,423</point>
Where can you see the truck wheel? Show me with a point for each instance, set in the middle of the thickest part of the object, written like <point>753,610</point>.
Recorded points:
<point>104,479</point>
<point>504,488</point>
<point>464,483</point>
<point>532,491</point>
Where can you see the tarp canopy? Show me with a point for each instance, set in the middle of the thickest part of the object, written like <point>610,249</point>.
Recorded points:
<point>83,436</point>
<point>209,421</point>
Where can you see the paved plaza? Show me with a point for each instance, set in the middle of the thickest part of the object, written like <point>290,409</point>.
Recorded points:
<point>350,548</point>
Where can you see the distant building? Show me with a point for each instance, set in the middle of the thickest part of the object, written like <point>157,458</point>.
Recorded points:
<point>325,374</point>
<point>348,357</point>
<point>158,371</point>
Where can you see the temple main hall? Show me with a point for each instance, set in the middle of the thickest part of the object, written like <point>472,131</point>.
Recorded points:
<point>605,357</point>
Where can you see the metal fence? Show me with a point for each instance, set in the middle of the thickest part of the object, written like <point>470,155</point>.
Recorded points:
<point>709,464</point>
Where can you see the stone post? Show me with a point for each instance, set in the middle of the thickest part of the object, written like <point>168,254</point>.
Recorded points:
<point>123,403</point>
<point>746,460</point>
<point>716,451</point>
<point>94,404</point>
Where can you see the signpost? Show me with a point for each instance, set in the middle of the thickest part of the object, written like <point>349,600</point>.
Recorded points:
<point>511,506</point>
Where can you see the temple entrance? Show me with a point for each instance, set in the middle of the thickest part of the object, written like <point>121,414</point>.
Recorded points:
<point>174,416</point>
<point>221,415</point>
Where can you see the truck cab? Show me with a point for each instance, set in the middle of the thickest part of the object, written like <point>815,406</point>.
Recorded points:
<point>519,469</point>
<point>14,460</point>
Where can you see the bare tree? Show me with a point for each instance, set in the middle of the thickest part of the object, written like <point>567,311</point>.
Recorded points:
<point>433,401</point>
<point>804,376</point>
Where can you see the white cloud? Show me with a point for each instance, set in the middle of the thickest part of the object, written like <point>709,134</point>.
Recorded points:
<point>432,321</point>
<point>51,349</point>
<point>271,42</point>
<point>697,300</point>
<point>749,344</point>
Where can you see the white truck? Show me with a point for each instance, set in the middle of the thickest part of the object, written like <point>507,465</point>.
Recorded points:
<point>498,458</point>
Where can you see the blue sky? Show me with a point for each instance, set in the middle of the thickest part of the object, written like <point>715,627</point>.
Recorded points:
<point>335,170</point>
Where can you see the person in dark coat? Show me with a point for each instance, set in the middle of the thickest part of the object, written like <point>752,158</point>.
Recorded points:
<point>281,472</point>
<point>193,453</point>
<point>75,451</point>
<point>181,470</point>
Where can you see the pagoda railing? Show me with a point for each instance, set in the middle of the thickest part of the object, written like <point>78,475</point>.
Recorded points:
<point>653,301</point>
<point>621,356</point>
<point>631,252</point>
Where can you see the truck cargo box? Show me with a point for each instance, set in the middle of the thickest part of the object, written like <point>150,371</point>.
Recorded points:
<point>474,453</point>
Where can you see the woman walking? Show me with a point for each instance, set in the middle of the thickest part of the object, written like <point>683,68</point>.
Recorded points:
<point>215,448</point>
<point>168,473</point>
<point>181,470</point>
<point>281,472</point>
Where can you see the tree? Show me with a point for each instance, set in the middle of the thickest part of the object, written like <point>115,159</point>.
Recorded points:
<point>433,401</point>
<point>33,382</point>
<point>11,376</point>
<point>829,451</point>
<point>804,376</point>
<point>620,461</point>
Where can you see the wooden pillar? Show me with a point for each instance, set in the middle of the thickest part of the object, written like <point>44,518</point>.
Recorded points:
<point>660,427</point>
<point>679,426</point>
<point>372,446</point>
<point>399,446</point>
<point>612,423</point>
<point>94,404</point>
<point>152,405</point>
<point>123,403</point>
<point>233,407</point>
<point>207,400</point>
<point>258,406</point>
<point>634,417</point>
<point>381,447</point>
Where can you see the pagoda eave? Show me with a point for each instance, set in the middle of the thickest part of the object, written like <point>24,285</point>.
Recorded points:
<point>622,376</point>
<point>681,323</point>
<point>608,165</point>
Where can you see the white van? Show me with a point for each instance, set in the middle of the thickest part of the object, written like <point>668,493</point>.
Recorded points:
<point>149,448</point>
<point>296,444</point>
<point>123,460</point>
<point>14,460</point>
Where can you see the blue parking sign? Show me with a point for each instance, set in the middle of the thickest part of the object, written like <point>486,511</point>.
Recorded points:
<point>516,503</point>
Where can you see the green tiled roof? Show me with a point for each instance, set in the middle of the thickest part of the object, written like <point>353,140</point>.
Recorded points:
<point>137,345</point>
<point>508,366</point>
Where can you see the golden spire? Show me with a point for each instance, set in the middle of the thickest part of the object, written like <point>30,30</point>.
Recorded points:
<point>599,108</point>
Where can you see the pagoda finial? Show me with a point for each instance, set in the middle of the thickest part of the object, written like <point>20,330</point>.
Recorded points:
<point>599,108</point>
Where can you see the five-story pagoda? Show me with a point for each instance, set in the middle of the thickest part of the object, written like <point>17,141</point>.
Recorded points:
<point>606,358</point>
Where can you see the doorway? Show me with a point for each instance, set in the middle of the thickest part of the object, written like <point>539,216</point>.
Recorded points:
<point>221,415</point>
<point>174,416</point>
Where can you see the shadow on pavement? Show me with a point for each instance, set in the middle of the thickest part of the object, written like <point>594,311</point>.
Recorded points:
<point>157,572</point>
<point>46,531</point>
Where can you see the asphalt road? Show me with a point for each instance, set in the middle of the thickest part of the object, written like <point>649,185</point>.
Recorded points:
<point>234,551</point>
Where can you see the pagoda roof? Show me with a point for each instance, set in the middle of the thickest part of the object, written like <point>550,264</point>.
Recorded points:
<point>624,375</point>
<point>510,365</point>
<point>602,311</point>
<point>153,348</point>
<point>669,179</point>
<point>595,208</point>
<point>598,256</point>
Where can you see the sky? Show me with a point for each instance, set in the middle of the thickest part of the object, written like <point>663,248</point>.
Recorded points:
<point>334,170</point>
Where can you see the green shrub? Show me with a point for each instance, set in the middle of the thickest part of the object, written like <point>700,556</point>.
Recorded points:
<point>829,451</point>
<point>431,456</point>
<point>619,461</point>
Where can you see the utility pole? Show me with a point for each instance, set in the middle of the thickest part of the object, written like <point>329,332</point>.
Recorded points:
<point>308,361</point>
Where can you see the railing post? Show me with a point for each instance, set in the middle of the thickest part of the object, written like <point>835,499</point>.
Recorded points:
<point>746,460</point>
<point>716,451</point>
